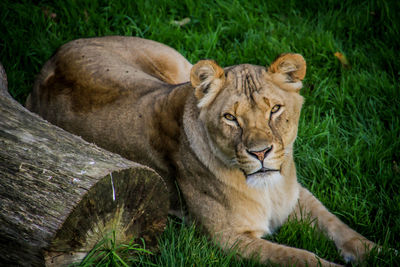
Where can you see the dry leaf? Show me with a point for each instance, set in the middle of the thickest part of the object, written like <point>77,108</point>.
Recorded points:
<point>342,58</point>
<point>48,14</point>
<point>181,23</point>
<point>396,168</point>
<point>86,15</point>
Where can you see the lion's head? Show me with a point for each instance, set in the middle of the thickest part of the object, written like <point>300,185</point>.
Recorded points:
<point>251,113</point>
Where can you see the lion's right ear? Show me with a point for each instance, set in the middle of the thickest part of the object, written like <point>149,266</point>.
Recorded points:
<point>207,78</point>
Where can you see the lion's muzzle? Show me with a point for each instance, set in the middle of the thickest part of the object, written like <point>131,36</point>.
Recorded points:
<point>260,155</point>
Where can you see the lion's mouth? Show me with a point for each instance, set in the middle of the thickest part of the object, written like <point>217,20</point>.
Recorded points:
<point>264,170</point>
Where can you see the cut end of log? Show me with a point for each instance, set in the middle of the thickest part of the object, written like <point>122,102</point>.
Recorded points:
<point>133,203</point>
<point>50,217</point>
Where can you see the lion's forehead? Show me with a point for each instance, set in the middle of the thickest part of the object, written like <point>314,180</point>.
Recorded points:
<point>246,79</point>
<point>251,84</point>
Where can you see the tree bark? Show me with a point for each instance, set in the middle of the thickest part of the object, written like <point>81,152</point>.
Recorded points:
<point>60,195</point>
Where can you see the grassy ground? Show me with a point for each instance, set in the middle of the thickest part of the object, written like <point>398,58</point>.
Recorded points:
<point>347,151</point>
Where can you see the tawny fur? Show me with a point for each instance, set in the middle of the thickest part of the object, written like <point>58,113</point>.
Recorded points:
<point>225,136</point>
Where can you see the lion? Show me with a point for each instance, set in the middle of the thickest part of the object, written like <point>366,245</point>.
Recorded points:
<point>224,136</point>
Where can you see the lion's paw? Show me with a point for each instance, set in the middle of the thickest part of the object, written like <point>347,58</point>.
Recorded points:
<point>356,249</point>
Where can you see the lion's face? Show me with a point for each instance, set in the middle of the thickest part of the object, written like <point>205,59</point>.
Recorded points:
<point>251,113</point>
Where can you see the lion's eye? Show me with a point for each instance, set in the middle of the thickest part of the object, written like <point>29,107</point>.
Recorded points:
<point>229,117</point>
<point>275,108</point>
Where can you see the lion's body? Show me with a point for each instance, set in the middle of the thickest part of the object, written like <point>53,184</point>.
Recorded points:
<point>100,105</point>
<point>226,137</point>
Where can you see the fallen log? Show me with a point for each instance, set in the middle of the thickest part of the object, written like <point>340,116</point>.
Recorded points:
<point>60,195</point>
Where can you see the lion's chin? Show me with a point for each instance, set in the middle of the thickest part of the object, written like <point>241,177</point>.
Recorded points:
<point>263,180</point>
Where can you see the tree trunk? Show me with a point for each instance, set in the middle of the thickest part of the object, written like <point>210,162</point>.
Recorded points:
<point>60,195</point>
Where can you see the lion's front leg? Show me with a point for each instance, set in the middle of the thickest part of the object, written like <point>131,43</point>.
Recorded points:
<point>249,246</point>
<point>352,245</point>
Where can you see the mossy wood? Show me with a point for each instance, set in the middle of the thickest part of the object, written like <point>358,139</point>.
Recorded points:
<point>60,195</point>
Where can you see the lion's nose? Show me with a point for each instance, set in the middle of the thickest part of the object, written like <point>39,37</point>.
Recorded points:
<point>260,155</point>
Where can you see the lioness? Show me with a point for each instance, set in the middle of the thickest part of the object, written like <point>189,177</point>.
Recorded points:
<point>225,137</point>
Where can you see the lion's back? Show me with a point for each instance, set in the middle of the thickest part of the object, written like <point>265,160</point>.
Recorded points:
<point>90,73</point>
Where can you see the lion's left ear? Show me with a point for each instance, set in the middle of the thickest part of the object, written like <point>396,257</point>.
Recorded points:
<point>288,70</point>
<point>207,78</point>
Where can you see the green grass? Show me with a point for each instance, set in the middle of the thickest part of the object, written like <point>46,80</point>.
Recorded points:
<point>109,253</point>
<point>348,146</point>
